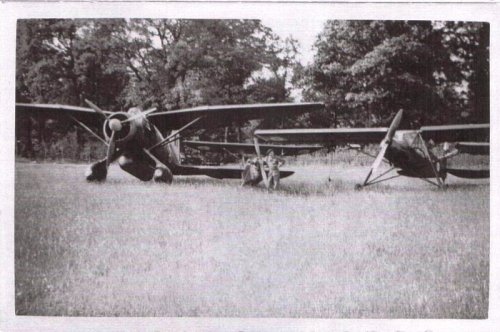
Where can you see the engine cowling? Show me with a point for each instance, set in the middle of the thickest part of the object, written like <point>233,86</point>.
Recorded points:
<point>124,131</point>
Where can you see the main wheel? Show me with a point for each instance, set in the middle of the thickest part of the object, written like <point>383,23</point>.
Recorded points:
<point>96,172</point>
<point>163,175</point>
<point>358,186</point>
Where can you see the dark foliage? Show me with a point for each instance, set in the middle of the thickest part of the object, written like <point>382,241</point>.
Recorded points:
<point>168,64</point>
<point>438,72</point>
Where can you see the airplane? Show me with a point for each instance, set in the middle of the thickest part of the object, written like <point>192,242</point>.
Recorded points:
<point>252,173</point>
<point>409,152</point>
<point>135,139</point>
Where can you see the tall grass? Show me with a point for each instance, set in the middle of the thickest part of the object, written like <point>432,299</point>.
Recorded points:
<point>204,247</point>
<point>343,157</point>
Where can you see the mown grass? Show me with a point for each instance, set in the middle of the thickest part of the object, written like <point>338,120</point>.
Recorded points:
<point>204,247</point>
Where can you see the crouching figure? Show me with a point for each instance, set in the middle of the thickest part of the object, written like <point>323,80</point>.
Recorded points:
<point>251,173</point>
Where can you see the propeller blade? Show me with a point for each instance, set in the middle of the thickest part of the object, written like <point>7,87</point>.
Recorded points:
<point>145,114</point>
<point>380,156</point>
<point>96,108</point>
<point>394,126</point>
<point>89,130</point>
<point>387,140</point>
<point>257,148</point>
<point>261,162</point>
<point>385,144</point>
<point>111,149</point>
<point>376,163</point>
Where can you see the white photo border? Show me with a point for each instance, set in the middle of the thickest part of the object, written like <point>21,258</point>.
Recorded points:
<point>10,12</point>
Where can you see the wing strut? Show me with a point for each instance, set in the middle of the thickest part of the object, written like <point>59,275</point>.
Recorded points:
<point>172,137</point>
<point>379,178</point>
<point>152,156</point>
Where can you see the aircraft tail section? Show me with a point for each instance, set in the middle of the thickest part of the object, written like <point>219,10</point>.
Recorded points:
<point>469,173</point>
<point>474,148</point>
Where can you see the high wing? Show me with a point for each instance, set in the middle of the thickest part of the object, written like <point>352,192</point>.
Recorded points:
<point>56,111</point>
<point>341,136</point>
<point>210,116</point>
<point>325,136</point>
<point>455,133</point>
<point>226,115</point>
<point>218,172</point>
<point>249,149</point>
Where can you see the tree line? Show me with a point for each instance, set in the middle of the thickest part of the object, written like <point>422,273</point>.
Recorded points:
<point>364,71</point>
<point>437,72</point>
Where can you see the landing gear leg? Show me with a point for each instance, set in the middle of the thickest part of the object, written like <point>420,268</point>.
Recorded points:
<point>97,172</point>
<point>436,167</point>
<point>377,179</point>
<point>162,173</point>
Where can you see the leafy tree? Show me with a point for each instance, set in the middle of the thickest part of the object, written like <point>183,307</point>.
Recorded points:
<point>182,63</point>
<point>273,84</point>
<point>468,43</point>
<point>120,63</point>
<point>63,61</point>
<point>367,70</point>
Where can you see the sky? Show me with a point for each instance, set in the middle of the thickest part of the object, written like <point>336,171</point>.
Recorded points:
<point>304,30</point>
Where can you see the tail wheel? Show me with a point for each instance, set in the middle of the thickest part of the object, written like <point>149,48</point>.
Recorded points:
<point>163,175</point>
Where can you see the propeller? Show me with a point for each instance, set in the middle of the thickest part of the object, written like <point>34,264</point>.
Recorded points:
<point>115,125</point>
<point>385,143</point>
<point>138,115</point>
<point>111,149</point>
<point>261,162</point>
<point>96,109</point>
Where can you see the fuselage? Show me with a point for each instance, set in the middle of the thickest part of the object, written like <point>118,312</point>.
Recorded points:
<point>412,161</point>
<point>133,139</point>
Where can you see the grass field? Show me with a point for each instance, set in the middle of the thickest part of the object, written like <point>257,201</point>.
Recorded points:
<point>204,247</point>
